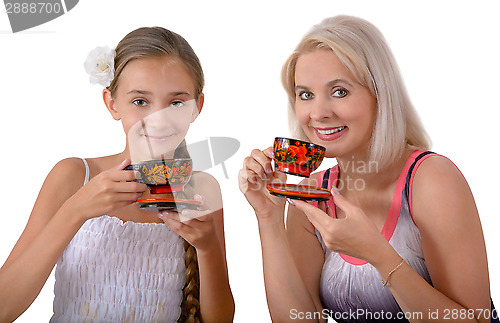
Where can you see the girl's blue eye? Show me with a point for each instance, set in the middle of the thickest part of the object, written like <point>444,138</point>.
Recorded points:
<point>140,102</point>
<point>340,93</point>
<point>177,104</point>
<point>305,95</point>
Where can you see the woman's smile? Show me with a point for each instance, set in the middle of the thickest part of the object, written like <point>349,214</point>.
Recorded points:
<point>329,134</point>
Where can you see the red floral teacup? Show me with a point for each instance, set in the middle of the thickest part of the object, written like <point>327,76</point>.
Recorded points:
<point>164,176</point>
<point>297,157</point>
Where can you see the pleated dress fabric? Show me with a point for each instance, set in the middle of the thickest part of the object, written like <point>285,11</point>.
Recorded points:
<point>115,271</point>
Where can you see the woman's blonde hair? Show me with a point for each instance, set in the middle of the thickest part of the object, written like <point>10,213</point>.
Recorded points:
<point>152,42</point>
<point>363,50</point>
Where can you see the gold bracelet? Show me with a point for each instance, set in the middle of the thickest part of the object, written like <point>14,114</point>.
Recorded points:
<point>384,283</point>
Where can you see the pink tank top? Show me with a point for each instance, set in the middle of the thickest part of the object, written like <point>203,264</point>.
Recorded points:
<point>350,288</point>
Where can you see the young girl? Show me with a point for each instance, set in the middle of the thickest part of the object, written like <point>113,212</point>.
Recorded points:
<point>116,262</point>
<point>401,238</point>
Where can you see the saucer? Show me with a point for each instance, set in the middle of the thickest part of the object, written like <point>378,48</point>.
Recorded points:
<point>157,205</point>
<point>299,192</point>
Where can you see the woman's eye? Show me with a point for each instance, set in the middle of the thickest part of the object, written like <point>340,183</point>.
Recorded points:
<point>305,95</point>
<point>177,104</point>
<point>140,102</point>
<point>340,93</point>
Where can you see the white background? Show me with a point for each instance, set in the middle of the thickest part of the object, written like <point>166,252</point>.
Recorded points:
<point>446,50</point>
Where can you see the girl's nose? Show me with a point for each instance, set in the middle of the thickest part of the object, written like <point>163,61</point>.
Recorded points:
<point>159,118</point>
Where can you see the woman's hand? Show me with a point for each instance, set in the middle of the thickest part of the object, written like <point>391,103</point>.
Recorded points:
<point>256,173</point>
<point>355,235</point>
<point>196,226</point>
<point>108,191</point>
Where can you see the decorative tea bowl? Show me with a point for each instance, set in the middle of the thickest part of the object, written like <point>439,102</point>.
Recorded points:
<point>164,175</point>
<point>297,157</point>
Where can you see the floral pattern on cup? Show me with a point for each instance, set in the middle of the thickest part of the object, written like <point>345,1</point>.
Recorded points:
<point>161,174</point>
<point>164,176</point>
<point>297,157</point>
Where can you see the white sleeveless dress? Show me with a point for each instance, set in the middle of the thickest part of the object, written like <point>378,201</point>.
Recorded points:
<point>115,271</point>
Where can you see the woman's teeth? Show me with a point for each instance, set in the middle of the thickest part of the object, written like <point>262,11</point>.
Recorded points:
<point>330,131</point>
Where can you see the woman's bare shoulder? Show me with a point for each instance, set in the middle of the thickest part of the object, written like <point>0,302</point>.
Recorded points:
<point>439,185</point>
<point>438,173</point>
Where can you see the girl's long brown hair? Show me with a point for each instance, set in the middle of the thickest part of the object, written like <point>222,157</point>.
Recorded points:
<point>157,41</point>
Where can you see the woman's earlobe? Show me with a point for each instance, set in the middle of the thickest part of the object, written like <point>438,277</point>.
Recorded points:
<point>110,104</point>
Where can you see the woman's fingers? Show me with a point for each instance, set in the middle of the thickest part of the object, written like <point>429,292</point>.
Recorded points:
<point>342,202</point>
<point>259,164</point>
<point>264,158</point>
<point>269,152</point>
<point>317,217</point>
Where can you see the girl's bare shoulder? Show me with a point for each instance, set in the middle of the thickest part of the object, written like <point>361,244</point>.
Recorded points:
<point>202,180</point>
<point>68,171</point>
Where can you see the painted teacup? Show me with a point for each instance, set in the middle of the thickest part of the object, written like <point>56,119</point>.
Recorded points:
<point>164,175</point>
<point>297,157</point>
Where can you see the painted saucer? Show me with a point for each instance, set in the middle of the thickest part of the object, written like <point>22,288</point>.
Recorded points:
<point>157,205</point>
<point>299,192</point>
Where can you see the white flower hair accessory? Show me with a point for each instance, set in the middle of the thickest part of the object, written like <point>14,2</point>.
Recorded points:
<point>100,65</point>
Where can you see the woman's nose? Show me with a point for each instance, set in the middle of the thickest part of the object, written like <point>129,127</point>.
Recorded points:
<point>321,109</point>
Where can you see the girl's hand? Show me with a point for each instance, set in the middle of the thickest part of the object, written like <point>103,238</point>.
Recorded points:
<point>108,191</point>
<point>355,235</point>
<point>256,173</point>
<point>196,226</point>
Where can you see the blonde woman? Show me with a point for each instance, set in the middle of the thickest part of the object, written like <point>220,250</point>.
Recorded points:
<point>401,237</point>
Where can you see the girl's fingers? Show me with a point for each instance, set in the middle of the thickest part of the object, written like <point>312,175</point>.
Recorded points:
<point>194,217</point>
<point>187,216</point>
<point>121,175</point>
<point>123,164</point>
<point>129,197</point>
<point>131,187</point>
<point>199,198</point>
<point>176,225</point>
